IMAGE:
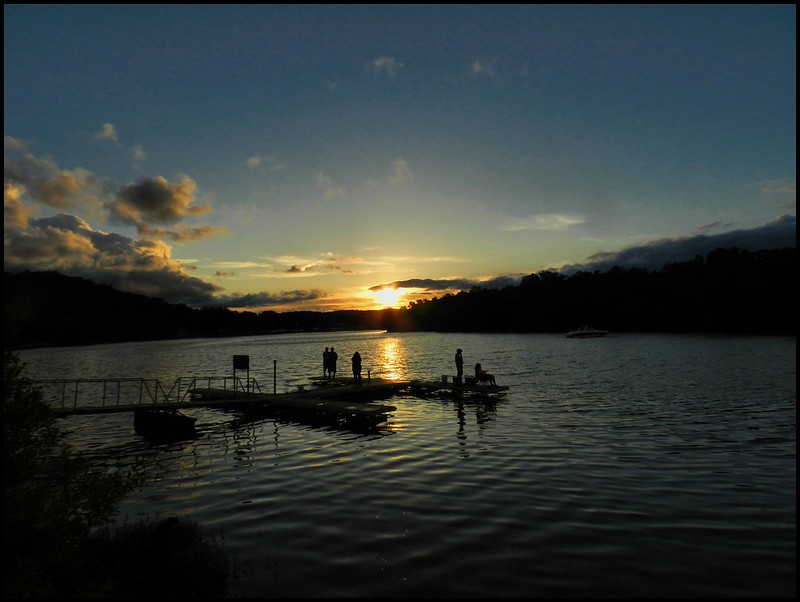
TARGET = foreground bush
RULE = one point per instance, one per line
(56, 506)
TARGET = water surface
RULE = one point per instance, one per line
(632, 465)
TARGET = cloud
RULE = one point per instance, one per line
(329, 189)
(107, 133)
(155, 200)
(271, 162)
(401, 172)
(148, 204)
(777, 234)
(256, 300)
(15, 213)
(448, 284)
(481, 69)
(14, 144)
(386, 65)
(70, 245)
(780, 187)
(314, 265)
(546, 222)
(47, 184)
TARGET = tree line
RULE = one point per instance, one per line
(726, 291)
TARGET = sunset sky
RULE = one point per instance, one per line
(288, 157)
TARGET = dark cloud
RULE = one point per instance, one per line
(155, 200)
(167, 284)
(777, 234)
(266, 299)
(430, 284)
(46, 183)
(148, 205)
(67, 244)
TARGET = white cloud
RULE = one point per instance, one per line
(387, 65)
(548, 222)
(401, 172)
(11, 143)
(107, 133)
(481, 68)
(271, 162)
(330, 190)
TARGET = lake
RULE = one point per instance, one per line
(639, 465)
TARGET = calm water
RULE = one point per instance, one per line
(634, 465)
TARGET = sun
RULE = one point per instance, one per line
(388, 297)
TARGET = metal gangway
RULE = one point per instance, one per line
(100, 395)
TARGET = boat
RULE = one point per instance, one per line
(586, 332)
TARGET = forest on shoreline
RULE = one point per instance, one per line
(730, 291)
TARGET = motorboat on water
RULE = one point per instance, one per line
(586, 332)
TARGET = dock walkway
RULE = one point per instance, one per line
(336, 399)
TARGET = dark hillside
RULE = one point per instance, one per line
(728, 291)
(49, 309)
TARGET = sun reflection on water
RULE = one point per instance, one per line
(392, 362)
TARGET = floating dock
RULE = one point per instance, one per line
(418, 386)
(338, 399)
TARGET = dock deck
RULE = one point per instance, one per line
(338, 400)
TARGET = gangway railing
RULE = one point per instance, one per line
(75, 393)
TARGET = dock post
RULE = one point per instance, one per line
(275, 376)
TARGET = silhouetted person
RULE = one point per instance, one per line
(332, 357)
(459, 366)
(357, 368)
(326, 362)
(483, 376)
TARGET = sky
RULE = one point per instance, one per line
(325, 157)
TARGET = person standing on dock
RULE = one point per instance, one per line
(357, 368)
(326, 362)
(332, 357)
(459, 366)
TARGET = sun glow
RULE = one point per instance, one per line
(388, 297)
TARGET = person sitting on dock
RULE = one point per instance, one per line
(483, 376)
(357, 368)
